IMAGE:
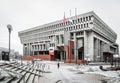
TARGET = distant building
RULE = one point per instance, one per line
(88, 37)
(12, 53)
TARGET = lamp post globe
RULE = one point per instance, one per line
(9, 29)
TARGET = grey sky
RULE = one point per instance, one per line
(25, 14)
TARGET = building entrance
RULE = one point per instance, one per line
(57, 55)
(107, 56)
(81, 53)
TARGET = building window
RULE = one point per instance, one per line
(77, 33)
(83, 19)
(76, 26)
(80, 19)
(66, 23)
(87, 24)
(89, 17)
(86, 18)
(71, 34)
(73, 21)
(84, 26)
(81, 25)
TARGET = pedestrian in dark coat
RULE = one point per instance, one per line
(58, 64)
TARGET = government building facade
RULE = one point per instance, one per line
(82, 38)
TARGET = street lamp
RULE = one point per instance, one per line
(9, 29)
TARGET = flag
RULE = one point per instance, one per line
(64, 19)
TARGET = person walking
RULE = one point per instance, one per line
(58, 64)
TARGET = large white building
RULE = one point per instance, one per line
(88, 37)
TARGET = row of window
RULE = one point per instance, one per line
(77, 33)
(79, 20)
(103, 28)
(60, 39)
(42, 47)
(45, 35)
(66, 29)
(77, 27)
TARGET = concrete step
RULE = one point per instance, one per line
(31, 78)
(36, 78)
(25, 76)
(10, 80)
(2, 78)
(28, 76)
(22, 78)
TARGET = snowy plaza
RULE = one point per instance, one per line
(47, 72)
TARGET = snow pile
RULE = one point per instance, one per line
(4, 73)
(114, 80)
(86, 68)
(95, 70)
(115, 74)
(1, 61)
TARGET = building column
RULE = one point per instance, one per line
(99, 56)
(96, 49)
(75, 48)
(39, 47)
(32, 50)
(28, 48)
(57, 39)
(24, 49)
(42, 46)
(102, 51)
(85, 45)
(60, 39)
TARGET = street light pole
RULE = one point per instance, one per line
(9, 29)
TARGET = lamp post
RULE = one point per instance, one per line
(9, 29)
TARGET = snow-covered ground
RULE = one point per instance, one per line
(72, 73)
(84, 73)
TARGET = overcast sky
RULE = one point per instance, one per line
(25, 14)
